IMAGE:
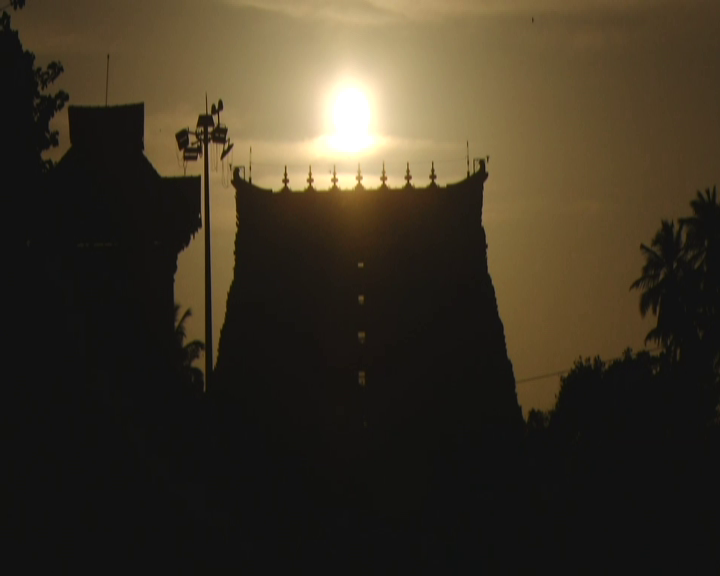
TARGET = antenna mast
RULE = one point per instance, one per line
(467, 147)
(107, 79)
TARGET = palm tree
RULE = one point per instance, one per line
(665, 286)
(187, 353)
(703, 230)
(703, 246)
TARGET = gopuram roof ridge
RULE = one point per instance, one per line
(479, 171)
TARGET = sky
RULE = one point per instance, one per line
(600, 118)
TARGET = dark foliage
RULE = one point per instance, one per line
(627, 464)
(28, 111)
(29, 108)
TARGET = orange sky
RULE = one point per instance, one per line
(600, 118)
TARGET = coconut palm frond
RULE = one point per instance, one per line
(657, 335)
(196, 378)
(650, 300)
(192, 351)
(187, 353)
(180, 332)
(703, 236)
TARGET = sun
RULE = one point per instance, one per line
(351, 116)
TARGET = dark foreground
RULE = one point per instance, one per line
(102, 482)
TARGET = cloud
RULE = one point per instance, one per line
(349, 11)
(384, 11)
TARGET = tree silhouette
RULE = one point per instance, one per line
(664, 284)
(703, 249)
(28, 112)
(29, 108)
(187, 353)
(625, 438)
(703, 230)
(680, 284)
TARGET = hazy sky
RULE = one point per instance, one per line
(600, 118)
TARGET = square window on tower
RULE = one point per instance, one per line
(361, 265)
(361, 378)
(361, 337)
(361, 299)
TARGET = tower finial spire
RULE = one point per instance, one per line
(408, 176)
(285, 181)
(359, 179)
(384, 177)
(433, 176)
(334, 179)
(310, 180)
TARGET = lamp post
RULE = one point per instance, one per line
(206, 131)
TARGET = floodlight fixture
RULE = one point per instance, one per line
(226, 151)
(183, 139)
(205, 121)
(219, 105)
(192, 153)
(219, 134)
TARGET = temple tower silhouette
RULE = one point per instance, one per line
(362, 331)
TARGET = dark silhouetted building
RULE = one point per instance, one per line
(109, 231)
(96, 386)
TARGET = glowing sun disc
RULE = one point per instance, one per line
(351, 115)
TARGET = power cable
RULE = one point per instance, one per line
(562, 372)
(541, 377)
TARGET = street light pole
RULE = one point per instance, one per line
(205, 133)
(208, 266)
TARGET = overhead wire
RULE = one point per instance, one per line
(563, 372)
